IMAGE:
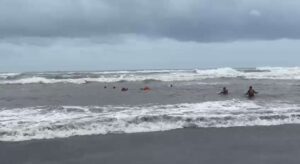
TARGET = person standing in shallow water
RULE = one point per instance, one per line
(224, 91)
(251, 92)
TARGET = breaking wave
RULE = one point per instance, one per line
(47, 122)
(283, 73)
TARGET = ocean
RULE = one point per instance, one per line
(46, 105)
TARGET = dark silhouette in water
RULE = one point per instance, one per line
(86, 82)
(251, 92)
(124, 89)
(114, 87)
(224, 91)
(105, 87)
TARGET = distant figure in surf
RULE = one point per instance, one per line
(105, 87)
(224, 91)
(114, 87)
(124, 89)
(171, 85)
(251, 92)
(146, 88)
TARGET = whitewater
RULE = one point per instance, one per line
(46, 105)
(64, 121)
(144, 75)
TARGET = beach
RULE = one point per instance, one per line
(149, 82)
(247, 145)
(85, 117)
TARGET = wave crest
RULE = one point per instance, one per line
(44, 122)
(288, 73)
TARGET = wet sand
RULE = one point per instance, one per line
(238, 145)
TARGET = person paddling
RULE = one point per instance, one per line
(251, 92)
(146, 89)
(224, 91)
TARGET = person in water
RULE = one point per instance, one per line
(251, 92)
(224, 91)
(124, 89)
(146, 89)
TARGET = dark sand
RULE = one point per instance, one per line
(242, 145)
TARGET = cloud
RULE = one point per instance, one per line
(254, 13)
(193, 20)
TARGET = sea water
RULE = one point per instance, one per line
(44, 105)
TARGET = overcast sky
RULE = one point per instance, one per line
(147, 34)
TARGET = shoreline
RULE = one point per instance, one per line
(264, 144)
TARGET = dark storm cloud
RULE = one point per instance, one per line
(192, 20)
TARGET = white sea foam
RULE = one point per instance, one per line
(7, 75)
(278, 73)
(64, 121)
(284, 73)
(33, 80)
(288, 73)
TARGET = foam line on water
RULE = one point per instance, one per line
(284, 73)
(45, 122)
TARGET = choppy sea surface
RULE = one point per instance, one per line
(45, 105)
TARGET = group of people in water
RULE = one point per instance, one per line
(250, 93)
(123, 89)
